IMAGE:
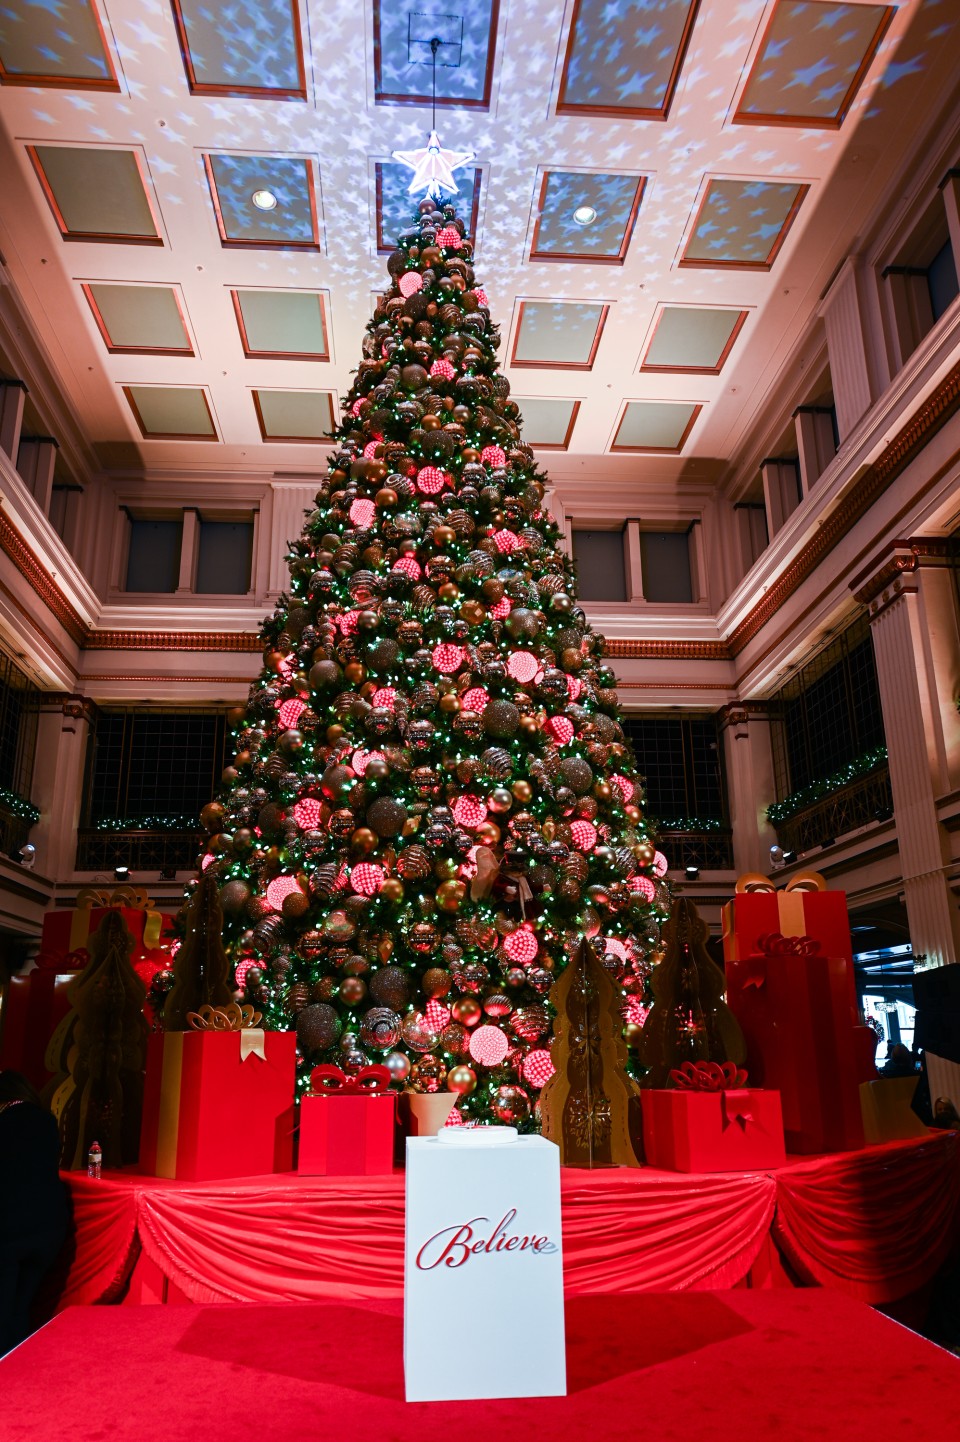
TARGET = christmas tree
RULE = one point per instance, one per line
(432, 800)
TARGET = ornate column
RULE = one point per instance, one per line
(62, 734)
(901, 628)
(750, 784)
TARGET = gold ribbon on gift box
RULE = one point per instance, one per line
(133, 898)
(789, 900)
(753, 881)
(242, 1019)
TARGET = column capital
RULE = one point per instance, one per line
(740, 713)
(893, 573)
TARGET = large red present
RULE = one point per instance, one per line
(712, 1122)
(804, 908)
(218, 1103)
(68, 931)
(347, 1123)
(793, 1005)
(33, 1008)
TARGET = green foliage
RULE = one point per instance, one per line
(826, 785)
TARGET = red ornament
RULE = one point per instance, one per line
(523, 666)
(367, 878)
(409, 567)
(584, 835)
(614, 947)
(410, 283)
(363, 513)
(436, 1014)
(454, 1119)
(357, 407)
(207, 861)
(241, 969)
(480, 295)
(385, 696)
(507, 542)
(289, 713)
(449, 239)
(361, 760)
(489, 1045)
(475, 699)
(538, 1067)
(447, 658)
(493, 456)
(431, 480)
(371, 448)
(467, 869)
(643, 886)
(561, 728)
(634, 1011)
(503, 608)
(280, 887)
(521, 945)
(469, 812)
(625, 786)
(348, 622)
(660, 864)
(307, 813)
(574, 687)
(442, 370)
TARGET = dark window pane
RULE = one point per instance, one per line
(155, 764)
(680, 760)
(665, 563)
(153, 563)
(18, 728)
(223, 558)
(942, 280)
(600, 568)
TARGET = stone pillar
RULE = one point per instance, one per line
(842, 312)
(13, 394)
(289, 503)
(781, 492)
(189, 545)
(63, 731)
(748, 754)
(36, 459)
(892, 591)
(816, 446)
(751, 530)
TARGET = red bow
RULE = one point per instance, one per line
(735, 1106)
(773, 944)
(708, 1076)
(369, 1080)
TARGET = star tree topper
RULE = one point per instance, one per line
(433, 168)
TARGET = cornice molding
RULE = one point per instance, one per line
(40, 581)
(667, 650)
(232, 641)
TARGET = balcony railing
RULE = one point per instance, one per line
(707, 850)
(168, 850)
(14, 830)
(858, 804)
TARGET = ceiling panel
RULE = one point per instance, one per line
(294, 415)
(655, 425)
(96, 194)
(247, 47)
(562, 335)
(291, 224)
(586, 217)
(625, 58)
(692, 338)
(402, 59)
(139, 319)
(743, 223)
(547, 423)
(171, 413)
(54, 42)
(811, 62)
(282, 324)
(396, 207)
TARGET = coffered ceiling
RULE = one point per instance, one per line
(197, 195)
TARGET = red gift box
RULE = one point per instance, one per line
(736, 1130)
(33, 1008)
(793, 1007)
(803, 908)
(70, 931)
(218, 1104)
(347, 1124)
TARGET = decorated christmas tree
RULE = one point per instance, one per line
(432, 800)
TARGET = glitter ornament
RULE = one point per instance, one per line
(538, 1067)
(489, 1046)
(523, 666)
(521, 945)
(584, 835)
(363, 513)
(447, 658)
(431, 480)
(289, 713)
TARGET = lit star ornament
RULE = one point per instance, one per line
(433, 168)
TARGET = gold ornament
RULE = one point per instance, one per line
(392, 889)
(461, 1079)
(450, 895)
(466, 1011)
(522, 790)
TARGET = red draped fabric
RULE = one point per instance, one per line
(876, 1224)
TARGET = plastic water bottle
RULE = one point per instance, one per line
(94, 1159)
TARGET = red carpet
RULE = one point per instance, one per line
(788, 1366)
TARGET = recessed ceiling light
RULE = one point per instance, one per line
(264, 199)
(584, 215)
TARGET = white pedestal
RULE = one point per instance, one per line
(483, 1260)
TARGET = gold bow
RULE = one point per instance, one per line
(224, 1018)
(133, 897)
(752, 882)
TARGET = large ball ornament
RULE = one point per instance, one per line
(428, 1074)
(461, 1079)
(234, 897)
(450, 895)
(466, 1010)
(510, 1105)
(418, 1033)
(380, 1029)
(501, 720)
(390, 987)
(398, 1065)
(318, 1027)
(386, 816)
(436, 981)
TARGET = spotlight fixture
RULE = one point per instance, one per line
(27, 856)
(692, 873)
(789, 857)
(776, 857)
(264, 200)
(584, 215)
(121, 873)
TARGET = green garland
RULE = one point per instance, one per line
(690, 823)
(818, 790)
(148, 823)
(12, 802)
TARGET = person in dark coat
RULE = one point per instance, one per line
(33, 1203)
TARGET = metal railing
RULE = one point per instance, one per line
(139, 850)
(14, 831)
(863, 801)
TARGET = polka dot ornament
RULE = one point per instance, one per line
(538, 1067)
(307, 813)
(521, 945)
(449, 239)
(574, 687)
(385, 696)
(493, 456)
(660, 864)
(475, 699)
(523, 666)
(561, 729)
(371, 448)
(367, 878)
(279, 888)
(442, 370)
(480, 296)
(410, 283)
(502, 608)
(361, 760)
(447, 658)
(363, 513)
(431, 480)
(469, 812)
(489, 1045)
(507, 542)
(409, 567)
(642, 886)
(584, 835)
(289, 713)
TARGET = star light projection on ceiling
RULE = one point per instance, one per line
(433, 168)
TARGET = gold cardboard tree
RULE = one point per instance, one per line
(201, 968)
